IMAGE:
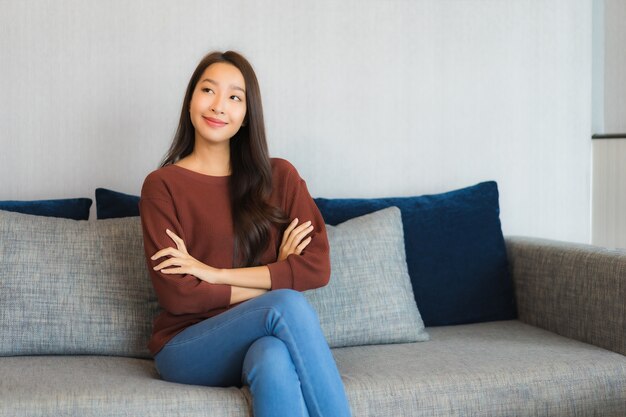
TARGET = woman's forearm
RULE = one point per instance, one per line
(239, 294)
(255, 277)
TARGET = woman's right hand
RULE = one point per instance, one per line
(293, 242)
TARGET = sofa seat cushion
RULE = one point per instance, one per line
(85, 386)
(492, 369)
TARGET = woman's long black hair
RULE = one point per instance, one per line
(251, 179)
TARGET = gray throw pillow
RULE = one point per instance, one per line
(73, 287)
(369, 299)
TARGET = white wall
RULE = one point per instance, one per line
(615, 66)
(366, 97)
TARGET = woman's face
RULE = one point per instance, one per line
(218, 103)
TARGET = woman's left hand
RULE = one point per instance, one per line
(186, 263)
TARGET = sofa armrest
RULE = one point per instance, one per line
(573, 289)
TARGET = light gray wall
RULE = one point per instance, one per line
(615, 66)
(366, 97)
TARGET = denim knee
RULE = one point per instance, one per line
(268, 360)
(293, 304)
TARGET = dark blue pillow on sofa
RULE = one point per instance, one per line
(455, 251)
(68, 208)
(113, 204)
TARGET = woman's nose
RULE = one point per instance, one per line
(217, 106)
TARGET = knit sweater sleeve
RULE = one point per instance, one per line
(310, 269)
(177, 293)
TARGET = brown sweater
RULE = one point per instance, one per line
(197, 208)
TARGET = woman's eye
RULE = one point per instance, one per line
(236, 98)
(206, 89)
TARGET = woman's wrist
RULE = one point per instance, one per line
(212, 275)
(221, 276)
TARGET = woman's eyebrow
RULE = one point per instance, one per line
(234, 87)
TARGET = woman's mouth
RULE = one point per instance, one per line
(211, 121)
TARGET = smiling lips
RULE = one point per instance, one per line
(211, 121)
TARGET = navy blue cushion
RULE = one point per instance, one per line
(67, 208)
(455, 251)
(113, 204)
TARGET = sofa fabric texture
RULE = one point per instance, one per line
(369, 299)
(90, 386)
(498, 369)
(572, 289)
(74, 287)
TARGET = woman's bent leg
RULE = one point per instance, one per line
(274, 384)
(212, 352)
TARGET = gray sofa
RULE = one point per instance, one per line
(564, 356)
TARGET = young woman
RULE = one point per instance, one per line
(231, 238)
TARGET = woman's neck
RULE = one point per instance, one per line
(214, 161)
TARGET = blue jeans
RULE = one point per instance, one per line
(273, 344)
